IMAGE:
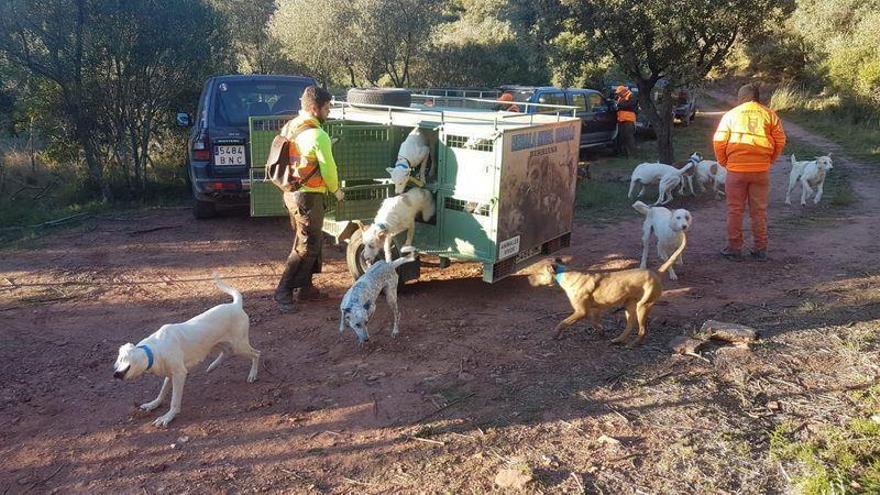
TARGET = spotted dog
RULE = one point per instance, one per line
(359, 302)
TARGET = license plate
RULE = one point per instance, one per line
(225, 155)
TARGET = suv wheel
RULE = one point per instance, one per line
(204, 209)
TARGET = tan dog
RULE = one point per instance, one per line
(592, 293)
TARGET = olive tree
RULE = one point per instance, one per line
(678, 41)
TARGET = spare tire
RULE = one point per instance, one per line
(395, 97)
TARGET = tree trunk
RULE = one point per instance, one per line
(660, 115)
(351, 75)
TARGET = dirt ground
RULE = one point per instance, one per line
(472, 384)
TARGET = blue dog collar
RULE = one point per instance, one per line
(559, 273)
(401, 165)
(149, 354)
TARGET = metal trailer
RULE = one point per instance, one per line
(503, 182)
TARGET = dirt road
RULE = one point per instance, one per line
(472, 384)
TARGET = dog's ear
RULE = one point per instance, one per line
(367, 305)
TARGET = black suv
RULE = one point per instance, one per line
(597, 113)
(218, 150)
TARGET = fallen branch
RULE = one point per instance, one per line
(426, 440)
(447, 406)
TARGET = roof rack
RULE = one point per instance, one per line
(457, 110)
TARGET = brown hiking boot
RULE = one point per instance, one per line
(311, 294)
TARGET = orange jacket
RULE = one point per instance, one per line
(625, 105)
(749, 138)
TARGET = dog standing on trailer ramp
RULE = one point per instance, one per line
(414, 153)
(175, 348)
(668, 226)
(590, 294)
(359, 302)
(395, 215)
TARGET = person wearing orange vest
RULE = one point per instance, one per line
(313, 166)
(748, 140)
(508, 105)
(626, 120)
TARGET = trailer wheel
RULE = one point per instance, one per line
(353, 255)
(394, 97)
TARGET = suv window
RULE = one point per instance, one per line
(597, 103)
(579, 100)
(550, 99)
(235, 101)
(523, 95)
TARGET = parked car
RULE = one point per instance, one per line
(598, 114)
(218, 149)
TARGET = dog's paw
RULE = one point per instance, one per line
(788, 202)
(149, 406)
(162, 421)
(252, 378)
(618, 340)
(673, 276)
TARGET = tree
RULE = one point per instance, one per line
(393, 35)
(248, 23)
(109, 73)
(361, 40)
(49, 39)
(316, 35)
(678, 41)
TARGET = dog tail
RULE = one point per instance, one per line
(665, 266)
(641, 207)
(232, 291)
(793, 160)
(689, 165)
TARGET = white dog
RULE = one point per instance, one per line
(414, 153)
(359, 302)
(668, 226)
(672, 180)
(646, 174)
(397, 214)
(175, 348)
(711, 174)
(811, 175)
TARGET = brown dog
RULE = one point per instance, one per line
(592, 293)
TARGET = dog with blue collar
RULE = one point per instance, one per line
(591, 294)
(175, 348)
(414, 154)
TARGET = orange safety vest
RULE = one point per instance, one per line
(625, 115)
(304, 168)
(749, 138)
